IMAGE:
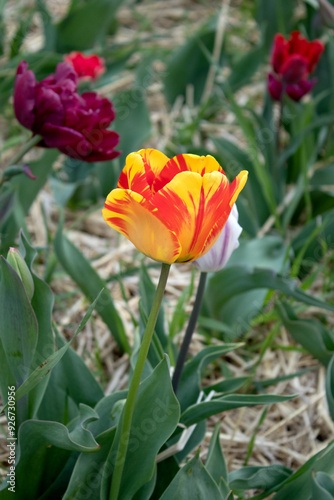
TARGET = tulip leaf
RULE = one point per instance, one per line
(244, 68)
(88, 471)
(322, 486)
(200, 411)
(70, 384)
(192, 481)
(92, 18)
(274, 16)
(260, 168)
(20, 34)
(155, 417)
(310, 333)
(227, 385)
(330, 387)
(238, 280)
(315, 249)
(42, 443)
(215, 463)
(43, 369)
(316, 123)
(233, 160)
(263, 478)
(190, 383)
(26, 191)
(81, 271)
(42, 304)
(299, 485)
(18, 326)
(132, 122)
(189, 65)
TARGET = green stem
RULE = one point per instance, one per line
(134, 385)
(189, 332)
(25, 148)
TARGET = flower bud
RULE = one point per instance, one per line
(15, 259)
(216, 258)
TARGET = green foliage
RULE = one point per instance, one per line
(192, 481)
(80, 270)
(189, 65)
(155, 417)
(274, 16)
(42, 443)
(92, 18)
(67, 429)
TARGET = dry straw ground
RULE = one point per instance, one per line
(292, 431)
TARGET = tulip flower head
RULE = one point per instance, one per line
(172, 210)
(75, 124)
(86, 67)
(216, 258)
(293, 61)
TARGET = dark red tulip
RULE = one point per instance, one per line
(75, 124)
(293, 61)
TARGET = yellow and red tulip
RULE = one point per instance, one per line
(172, 210)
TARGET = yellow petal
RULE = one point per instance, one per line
(129, 213)
(185, 163)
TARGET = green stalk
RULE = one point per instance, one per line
(189, 332)
(134, 385)
(25, 148)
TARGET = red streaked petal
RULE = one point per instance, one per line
(234, 190)
(133, 176)
(186, 163)
(129, 214)
(191, 205)
(154, 161)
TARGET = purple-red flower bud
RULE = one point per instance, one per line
(75, 124)
(293, 60)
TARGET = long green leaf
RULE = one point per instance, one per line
(18, 325)
(193, 481)
(81, 271)
(200, 411)
(240, 279)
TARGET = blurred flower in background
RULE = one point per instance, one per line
(86, 67)
(293, 61)
(75, 124)
(217, 258)
(172, 210)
